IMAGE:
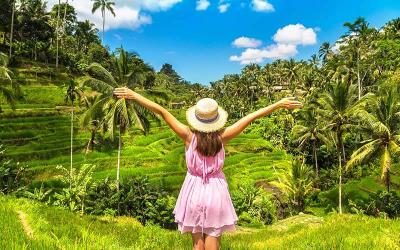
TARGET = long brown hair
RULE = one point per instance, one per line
(208, 143)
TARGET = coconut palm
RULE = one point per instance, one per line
(310, 130)
(325, 51)
(338, 106)
(103, 5)
(6, 76)
(358, 44)
(383, 125)
(73, 93)
(119, 114)
(92, 120)
(296, 183)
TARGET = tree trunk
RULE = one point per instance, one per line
(340, 149)
(358, 74)
(387, 180)
(65, 15)
(104, 20)
(57, 29)
(340, 185)
(72, 134)
(92, 138)
(119, 155)
(316, 162)
(12, 30)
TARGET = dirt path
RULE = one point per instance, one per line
(28, 230)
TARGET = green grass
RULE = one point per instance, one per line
(55, 228)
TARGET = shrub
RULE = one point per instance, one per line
(77, 184)
(135, 197)
(381, 204)
(253, 205)
(12, 175)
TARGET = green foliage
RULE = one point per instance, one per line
(296, 184)
(381, 204)
(78, 183)
(12, 175)
(136, 197)
(39, 194)
(253, 205)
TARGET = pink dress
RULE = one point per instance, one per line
(204, 203)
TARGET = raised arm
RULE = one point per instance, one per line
(179, 128)
(236, 128)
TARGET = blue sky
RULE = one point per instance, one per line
(199, 43)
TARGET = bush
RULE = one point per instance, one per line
(254, 205)
(381, 204)
(12, 175)
(135, 197)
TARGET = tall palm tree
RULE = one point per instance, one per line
(103, 5)
(296, 183)
(73, 93)
(358, 39)
(325, 51)
(383, 125)
(6, 76)
(309, 130)
(339, 106)
(122, 113)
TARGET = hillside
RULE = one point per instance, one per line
(32, 225)
(37, 134)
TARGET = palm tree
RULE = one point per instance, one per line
(358, 39)
(339, 105)
(325, 51)
(122, 113)
(103, 5)
(6, 76)
(73, 92)
(383, 125)
(309, 130)
(92, 120)
(297, 183)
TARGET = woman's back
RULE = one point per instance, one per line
(204, 166)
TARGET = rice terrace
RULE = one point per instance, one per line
(295, 106)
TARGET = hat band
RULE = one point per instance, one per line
(207, 120)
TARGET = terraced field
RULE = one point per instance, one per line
(38, 134)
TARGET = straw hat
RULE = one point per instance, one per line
(206, 115)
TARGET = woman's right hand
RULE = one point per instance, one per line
(289, 103)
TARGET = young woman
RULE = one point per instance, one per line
(204, 206)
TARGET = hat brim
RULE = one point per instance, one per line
(206, 127)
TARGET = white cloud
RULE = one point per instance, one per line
(246, 42)
(286, 41)
(202, 4)
(128, 14)
(275, 51)
(223, 7)
(155, 5)
(262, 6)
(296, 34)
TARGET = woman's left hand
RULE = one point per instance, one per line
(123, 92)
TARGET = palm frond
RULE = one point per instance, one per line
(363, 153)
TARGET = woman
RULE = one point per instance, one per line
(204, 207)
